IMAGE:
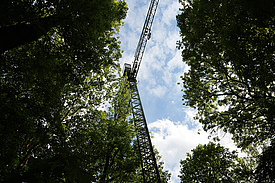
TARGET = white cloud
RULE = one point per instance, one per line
(175, 62)
(170, 11)
(172, 39)
(136, 14)
(174, 139)
(170, 76)
(159, 91)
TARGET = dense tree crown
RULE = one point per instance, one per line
(64, 110)
(213, 163)
(230, 49)
(266, 166)
(229, 46)
(79, 22)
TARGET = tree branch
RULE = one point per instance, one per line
(68, 112)
(22, 33)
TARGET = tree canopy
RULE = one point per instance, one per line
(64, 108)
(79, 22)
(229, 47)
(213, 163)
(264, 172)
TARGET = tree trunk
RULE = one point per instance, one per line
(22, 33)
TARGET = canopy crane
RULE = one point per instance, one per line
(149, 165)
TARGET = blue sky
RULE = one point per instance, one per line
(171, 124)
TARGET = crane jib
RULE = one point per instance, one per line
(144, 37)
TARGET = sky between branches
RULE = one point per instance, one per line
(171, 124)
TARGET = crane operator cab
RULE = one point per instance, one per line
(127, 71)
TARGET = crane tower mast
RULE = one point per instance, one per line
(148, 161)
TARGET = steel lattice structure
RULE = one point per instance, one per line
(149, 165)
(148, 161)
(144, 37)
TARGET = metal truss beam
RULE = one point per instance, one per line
(149, 165)
(144, 37)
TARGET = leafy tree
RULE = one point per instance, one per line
(213, 163)
(52, 87)
(78, 21)
(94, 146)
(88, 143)
(229, 47)
(164, 174)
(63, 108)
(266, 164)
